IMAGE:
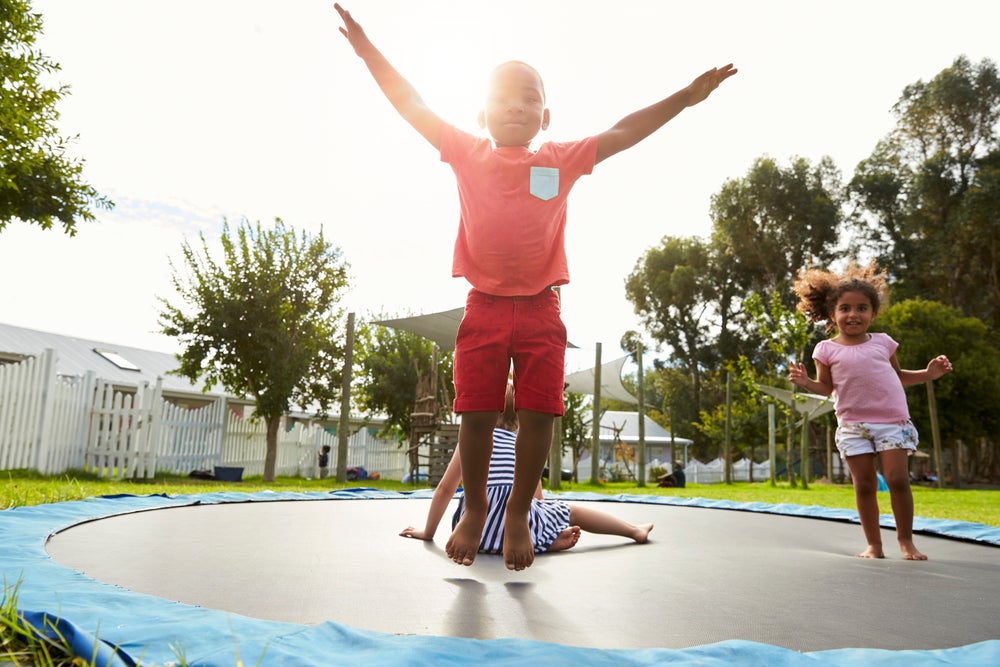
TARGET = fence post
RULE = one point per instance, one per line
(43, 443)
(148, 445)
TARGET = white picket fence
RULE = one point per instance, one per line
(714, 472)
(51, 424)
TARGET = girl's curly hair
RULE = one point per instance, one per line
(819, 290)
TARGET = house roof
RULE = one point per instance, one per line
(120, 364)
(629, 424)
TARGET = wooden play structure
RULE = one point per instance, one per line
(432, 438)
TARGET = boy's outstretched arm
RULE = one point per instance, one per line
(635, 127)
(397, 90)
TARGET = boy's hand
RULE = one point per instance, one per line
(703, 86)
(353, 32)
(938, 366)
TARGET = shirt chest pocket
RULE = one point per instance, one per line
(544, 182)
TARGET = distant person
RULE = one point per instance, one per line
(860, 369)
(675, 479)
(324, 462)
(555, 525)
(510, 248)
(680, 479)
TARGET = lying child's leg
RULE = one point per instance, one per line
(566, 539)
(534, 437)
(595, 521)
(475, 444)
(897, 477)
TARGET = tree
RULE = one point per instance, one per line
(576, 429)
(39, 182)
(390, 361)
(672, 291)
(263, 322)
(967, 397)
(766, 227)
(927, 196)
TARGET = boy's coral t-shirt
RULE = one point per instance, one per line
(513, 210)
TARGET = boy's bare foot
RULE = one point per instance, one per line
(642, 532)
(463, 545)
(910, 552)
(567, 539)
(872, 552)
(518, 550)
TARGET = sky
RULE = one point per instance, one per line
(192, 112)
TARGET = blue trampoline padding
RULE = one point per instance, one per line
(123, 628)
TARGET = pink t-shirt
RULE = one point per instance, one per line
(866, 387)
(513, 210)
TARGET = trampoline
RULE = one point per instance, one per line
(324, 579)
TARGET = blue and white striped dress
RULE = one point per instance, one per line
(546, 518)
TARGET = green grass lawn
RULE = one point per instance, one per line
(976, 505)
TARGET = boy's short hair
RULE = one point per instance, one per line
(508, 63)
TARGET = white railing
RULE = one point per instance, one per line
(51, 424)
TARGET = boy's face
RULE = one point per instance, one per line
(515, 106)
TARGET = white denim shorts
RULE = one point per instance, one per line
(870, 438)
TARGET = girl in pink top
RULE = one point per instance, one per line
(860, 369)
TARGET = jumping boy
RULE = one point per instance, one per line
(510, 249)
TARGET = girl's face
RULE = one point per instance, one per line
(853, 314)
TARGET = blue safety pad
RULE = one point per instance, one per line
(121, 628)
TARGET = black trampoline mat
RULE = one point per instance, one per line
(707, 575)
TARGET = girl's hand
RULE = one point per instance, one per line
(797, 374)
(410, 531)
(938, 366)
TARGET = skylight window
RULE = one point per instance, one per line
(117, 359)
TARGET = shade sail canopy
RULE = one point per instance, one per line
(439, 327)
(582, 382)
(442, 328)
(813, 405)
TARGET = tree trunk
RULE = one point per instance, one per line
(271, 454)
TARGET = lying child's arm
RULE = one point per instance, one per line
(443, 494)
(635, 127)
(397, 90)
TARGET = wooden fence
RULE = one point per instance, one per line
(52, 423)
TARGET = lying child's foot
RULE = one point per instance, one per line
(910, 552)
(567, 539)
(872, 552)
(518, 550)
(463, 545)
(641, 533)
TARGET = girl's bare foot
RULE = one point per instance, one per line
(910, 552)
(518, 550)
(567, 539)
(463, 545)
(642, 532)
(872, 552)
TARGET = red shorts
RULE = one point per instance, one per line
(497, 330)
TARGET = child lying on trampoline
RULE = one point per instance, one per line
(555, 525)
